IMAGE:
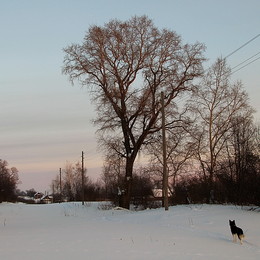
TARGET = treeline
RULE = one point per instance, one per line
(231, 185)
(8, 182)
(68, 187)
(236, 181)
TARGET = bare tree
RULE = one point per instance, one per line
(242, 164)
(180, 151)
(128, 64)
(71, 181)
(215, 104)
(56, 188)
(113, 173)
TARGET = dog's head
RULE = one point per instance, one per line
(232, 223)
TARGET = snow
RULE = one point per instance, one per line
(73, 231)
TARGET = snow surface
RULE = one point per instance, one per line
(73, 231)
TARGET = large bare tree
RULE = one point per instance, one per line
(128, 64)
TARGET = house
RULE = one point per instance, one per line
(41, 198)
(38, 195)
(47, 199)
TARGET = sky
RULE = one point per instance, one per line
(45, 121)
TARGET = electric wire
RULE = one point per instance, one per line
(245, 61)
(245, 65)
(230, 54)
(242, 46)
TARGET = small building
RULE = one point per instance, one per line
(47, 199)
(38, 195)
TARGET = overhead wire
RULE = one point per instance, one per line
(230, 54)
(242, 46)
(245, 65)
(245, 60)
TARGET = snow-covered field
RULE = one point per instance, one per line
(72, 231)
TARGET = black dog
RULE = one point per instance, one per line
(236, 232)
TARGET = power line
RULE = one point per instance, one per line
(232, 72)
(245, 65)
(242, 46)
(245, 61)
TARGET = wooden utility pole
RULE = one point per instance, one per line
(83, 177)
(165, 173)
(53, 191)
(60, 186)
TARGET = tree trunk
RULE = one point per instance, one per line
(128, 183)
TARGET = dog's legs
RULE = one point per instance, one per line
(234, 238)
(241, 239)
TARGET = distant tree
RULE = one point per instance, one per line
(20, 192)
(93, 190)
(179, 152)
(240, 172)
(128, 64)
(72, 181)
(56, 189)
(70, 187)
(113, 174)
(215, 104)
(30, 192)
(8, 181)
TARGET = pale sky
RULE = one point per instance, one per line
(44, 121)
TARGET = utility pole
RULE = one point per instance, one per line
(165, 173)
(82, 177)
(60, 184)
(53, 191)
